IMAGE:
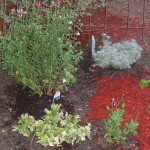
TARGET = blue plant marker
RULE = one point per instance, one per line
(57, 95)
(93, 45)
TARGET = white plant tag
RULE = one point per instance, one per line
(93, 45)
(57, 95)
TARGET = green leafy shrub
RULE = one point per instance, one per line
(118, 55)
(54, 128)
(39, 49)
(143, 83)
(82, 8)
(113, 127)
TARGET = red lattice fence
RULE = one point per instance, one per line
(125, 19)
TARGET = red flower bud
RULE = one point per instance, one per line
(60, 1)
(19, 16)
(38, 4)
(46, 14)
(52, 3)
(29, 28)
(78, 59)
(13, 10)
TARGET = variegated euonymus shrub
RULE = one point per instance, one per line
(117, 55)
(54, 128)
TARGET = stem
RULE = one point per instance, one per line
(32, 141)
(4, 10)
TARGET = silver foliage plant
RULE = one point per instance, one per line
(117, 55)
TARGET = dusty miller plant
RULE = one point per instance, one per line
(54, 128)
(117, 55)
(113, 126)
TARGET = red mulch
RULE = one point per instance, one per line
(136, 100)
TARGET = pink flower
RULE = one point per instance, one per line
(19, 16)
(60, 1)
(38, 4)
(46, 14)
(81, 109)
(78, 58)
(13, 10)
(68, 1)
(52, 3)
(29, 28)
(24, 12)
(114, 103)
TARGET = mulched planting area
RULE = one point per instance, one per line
(124, 89)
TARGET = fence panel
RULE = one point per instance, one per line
(123, 19)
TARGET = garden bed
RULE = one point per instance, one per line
(14, 101)
(94, 87)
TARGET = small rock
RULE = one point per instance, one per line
(3, 131)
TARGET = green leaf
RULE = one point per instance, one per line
(143, 83)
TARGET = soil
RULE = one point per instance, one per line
(14, 100)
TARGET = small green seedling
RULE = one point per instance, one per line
(113, 126)
(143, 83)
(148, 109)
